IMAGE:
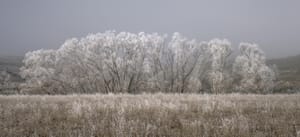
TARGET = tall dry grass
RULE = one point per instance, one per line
(149, 115)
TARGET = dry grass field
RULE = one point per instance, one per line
(149, 115)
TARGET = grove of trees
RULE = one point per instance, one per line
(124, 62)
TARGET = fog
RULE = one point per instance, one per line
(33, 24)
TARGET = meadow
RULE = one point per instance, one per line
(149, 115)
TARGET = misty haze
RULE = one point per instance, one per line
(150, 68)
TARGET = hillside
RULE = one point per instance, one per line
(289, 67)
(10, 63)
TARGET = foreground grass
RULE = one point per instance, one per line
(188, 115)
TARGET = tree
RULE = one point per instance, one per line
(185, 55)
(250, 70)
(39, 69)
(175, 65)
(217, 52)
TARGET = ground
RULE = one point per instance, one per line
(174, 115)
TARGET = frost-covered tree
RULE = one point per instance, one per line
(186, 58)
(217, 52)
(39, 69)
(124, 62)
(171, 64)
(250, 70)
(176, 66)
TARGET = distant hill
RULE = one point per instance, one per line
(289, 67)
(11, 63)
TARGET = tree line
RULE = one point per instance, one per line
(125, 62)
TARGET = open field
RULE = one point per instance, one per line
(188, 115)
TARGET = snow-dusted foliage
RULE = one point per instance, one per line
(131, 63)
(250, 69)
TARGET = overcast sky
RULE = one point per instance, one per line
(27, 25)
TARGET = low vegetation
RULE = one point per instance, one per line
(168, 115)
